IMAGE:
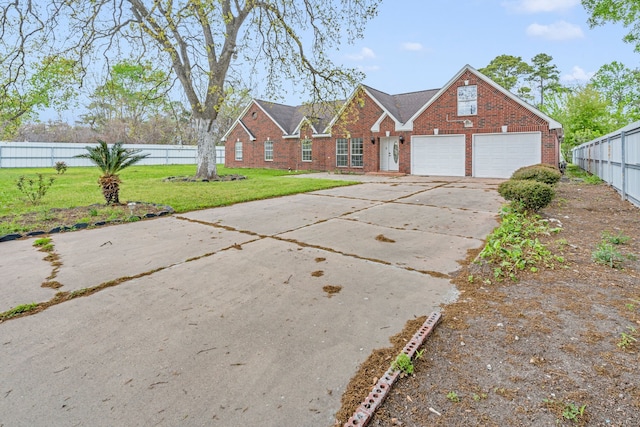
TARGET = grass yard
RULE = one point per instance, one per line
(79, 187)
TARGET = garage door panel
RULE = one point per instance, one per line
(442, 155)
(499, 155)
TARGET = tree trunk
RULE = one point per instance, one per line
(207, 168)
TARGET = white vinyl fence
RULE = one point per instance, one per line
(46, 154)
(615, 158)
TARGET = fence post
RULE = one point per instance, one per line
(623, 165)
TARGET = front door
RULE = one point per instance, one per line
(389, 154)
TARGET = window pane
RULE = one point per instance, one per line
(357, 150)
(238, 150)
(268, 150)
(306, 150)
(467, 100)
(342, 152)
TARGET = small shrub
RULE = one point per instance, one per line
(607, 254)
(61, 167)
(528, 195)
(541, 173)
(34, 189)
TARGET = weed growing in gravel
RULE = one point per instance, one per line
(453, 396)
(627, 340)
(572, 412)
(617, 239)
(403, 363)
(514, 246)
(607, 254)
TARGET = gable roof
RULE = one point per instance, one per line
(402, 108)
(553, 124)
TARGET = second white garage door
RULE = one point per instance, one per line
(497, 155)
(441, 155)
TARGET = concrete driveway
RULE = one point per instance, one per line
(219, 318)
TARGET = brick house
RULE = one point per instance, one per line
(470, 127)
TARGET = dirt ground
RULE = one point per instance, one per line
(556, 348)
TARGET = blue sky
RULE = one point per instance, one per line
(420, 44)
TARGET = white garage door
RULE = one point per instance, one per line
(437, 155)
(497, 155)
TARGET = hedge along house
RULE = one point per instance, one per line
(470, 127)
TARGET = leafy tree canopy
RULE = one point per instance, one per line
(626, 12)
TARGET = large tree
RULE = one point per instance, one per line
(49, 83)
(621, 86)
(509, 72)
(544, 76)
(625, 11)
(210, 45)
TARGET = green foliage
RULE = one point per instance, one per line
(626, 12)
(23, 308)
(513, 246)
(112, 160)
(574, 171)
(403, 363)
(615, 239)
(607, 254)
(34, 189)
(526, 194)
(506, 70)
(145, 183)
(47, 84)
(628, 339)
(453, 396)
(541, 173)
(619, 85)
(572, 412)
(60, 167)
(544, 76)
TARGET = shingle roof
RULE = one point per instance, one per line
(404, 105)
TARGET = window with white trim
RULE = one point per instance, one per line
(306, 150)
(468, 100)
(342, 152)
(268, 150)
(238, 150)
(357, 152)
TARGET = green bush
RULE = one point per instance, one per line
(541, 173)
(526, 194)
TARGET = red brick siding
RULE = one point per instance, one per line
(494, 111)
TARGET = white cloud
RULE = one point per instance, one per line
(412, 46)
(365, 53)
(536, 6)
(560, 30)
(577, 75)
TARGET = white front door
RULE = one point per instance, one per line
(389, 154)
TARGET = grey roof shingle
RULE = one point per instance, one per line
(401, 107)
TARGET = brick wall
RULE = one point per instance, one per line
(495, 110)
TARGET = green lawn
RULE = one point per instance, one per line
(79, 187)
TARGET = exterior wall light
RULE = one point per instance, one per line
(401, 139)
(373, 140)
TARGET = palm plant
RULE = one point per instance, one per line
(111, 161)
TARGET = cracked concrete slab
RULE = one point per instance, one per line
(274, 216)
(233, 328)
(23, 270)
(92, 257)
(475, 199)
